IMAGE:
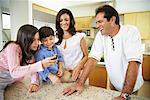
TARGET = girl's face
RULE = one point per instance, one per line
(64, 22)
(35, 43)
(48, 42)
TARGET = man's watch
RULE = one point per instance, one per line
(126, 96)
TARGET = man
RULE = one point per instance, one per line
(121, 46)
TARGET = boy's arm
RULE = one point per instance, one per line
(60, 65)
(60, 69)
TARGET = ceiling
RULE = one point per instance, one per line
(59, 4)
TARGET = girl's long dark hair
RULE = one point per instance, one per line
(59, 31)
(25, 38)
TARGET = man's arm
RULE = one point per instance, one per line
(131, 76)
(78, 87)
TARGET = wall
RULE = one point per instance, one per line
(126, 6)
(39, 24)
(86, 10)
(0, 27)
(21, 13)
(4, 7)
(122, 6)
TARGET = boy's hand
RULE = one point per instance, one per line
(60, 73)
(33, 88)
(48, 62)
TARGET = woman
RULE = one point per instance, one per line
(71, 43)
(16, 59)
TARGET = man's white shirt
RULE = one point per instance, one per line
(125, 46)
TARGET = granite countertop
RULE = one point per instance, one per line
(19, 91)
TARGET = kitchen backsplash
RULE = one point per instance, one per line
(147, 45)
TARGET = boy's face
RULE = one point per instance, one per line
(48, 42)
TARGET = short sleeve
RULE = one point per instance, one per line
(97, 48)
(132, 45)
(81, 35)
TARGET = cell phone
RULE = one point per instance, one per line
(54, 57)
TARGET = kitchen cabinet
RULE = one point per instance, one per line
(98, 77)
(83, 23)
(146, 68)
(141, 20)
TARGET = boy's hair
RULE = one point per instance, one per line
(45, 31)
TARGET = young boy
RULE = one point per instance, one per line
(48, 49)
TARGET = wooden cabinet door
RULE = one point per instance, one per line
(141, 20)
(83, 23)
(143, 24)
(98, 77)
(146, 68)
(130, 19)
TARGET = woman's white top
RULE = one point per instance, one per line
(73, 53)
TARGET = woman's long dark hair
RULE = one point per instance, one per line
(59, 31)
(25, 38)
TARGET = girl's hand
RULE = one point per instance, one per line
(60, 73)
(33, 88)
(76, 73)
(48, 62)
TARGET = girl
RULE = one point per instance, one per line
(16, 59)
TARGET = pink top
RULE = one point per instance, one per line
(10, 59)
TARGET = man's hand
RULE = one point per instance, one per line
(33, 88)
(73, 88)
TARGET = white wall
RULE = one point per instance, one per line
(122, 6)
(88, 10)
(126, 6)
(0, 27)
(21, 13)
(39, 24)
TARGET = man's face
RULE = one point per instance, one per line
(102, 23)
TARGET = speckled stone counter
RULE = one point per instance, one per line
(19, 91)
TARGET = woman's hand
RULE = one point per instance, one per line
(48, 62)
(33, 88)
(76, 73)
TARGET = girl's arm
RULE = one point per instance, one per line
(14, 57)
(85, 53)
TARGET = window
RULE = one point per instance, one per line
(6, 20)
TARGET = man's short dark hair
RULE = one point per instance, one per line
(109, 11)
